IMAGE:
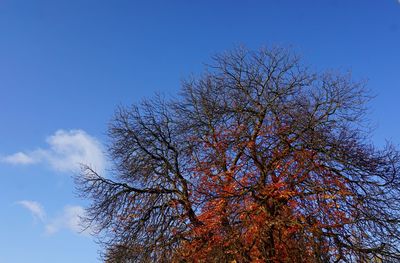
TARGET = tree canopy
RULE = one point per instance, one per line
(259, 159)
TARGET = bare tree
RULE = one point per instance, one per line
(258, 159)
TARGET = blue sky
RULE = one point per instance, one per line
(66, 65)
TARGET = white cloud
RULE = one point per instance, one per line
(66, 151)
(19, 158)
(70, 219)
(35, 208)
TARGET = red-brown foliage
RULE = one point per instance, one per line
(258, 161)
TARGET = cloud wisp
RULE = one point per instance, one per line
(69, 218)
(19, 158)
(66, 152)
(35, 208)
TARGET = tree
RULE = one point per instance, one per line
(258, 160)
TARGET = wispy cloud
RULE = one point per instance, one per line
(66, 151)
(19, 158)
(68, 219)
(35, 208)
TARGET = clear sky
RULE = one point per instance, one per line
(65, 66)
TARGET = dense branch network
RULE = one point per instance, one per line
(258, 160)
